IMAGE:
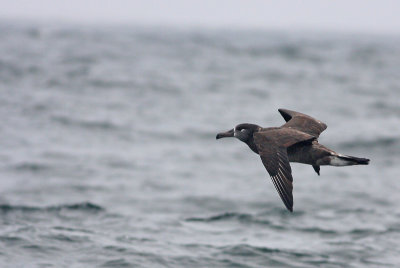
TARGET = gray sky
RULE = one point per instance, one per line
(378, 16)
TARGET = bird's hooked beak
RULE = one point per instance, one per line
(229, 133)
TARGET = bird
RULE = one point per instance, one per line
(294, 141)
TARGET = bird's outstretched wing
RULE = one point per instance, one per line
(272, 147)
(302, 122)
(277, 164)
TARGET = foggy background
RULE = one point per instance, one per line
(343, 16)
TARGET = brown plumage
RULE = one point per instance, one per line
(295, 141)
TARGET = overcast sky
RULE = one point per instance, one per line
(378, 16)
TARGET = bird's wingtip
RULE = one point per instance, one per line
(289, 207)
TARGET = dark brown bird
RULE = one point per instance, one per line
(295, 141)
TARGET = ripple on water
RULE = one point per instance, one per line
(84, 207)
(224, 216)
(380, 142)
(260, 218)
(95, 125)
(117, 263)
(265, 256)
(31, 167)
(12, 240)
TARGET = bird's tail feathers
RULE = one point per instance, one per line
(346, 160)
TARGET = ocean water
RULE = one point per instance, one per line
(109, 158)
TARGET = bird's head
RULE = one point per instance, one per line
(243, 132)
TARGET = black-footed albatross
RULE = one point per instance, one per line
(295, 141)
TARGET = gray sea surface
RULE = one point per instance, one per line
(109, 158)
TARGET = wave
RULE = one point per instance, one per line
(222, 217)
(84, 206)
(31, 166)
(233, 216)
(11, 240)
(246, 250)
(253, 219)
(9, 69)
(103, 125)
(379, 142)
(317, 230)
(247, 255)
(117, 263)
(107, 84)
(259, 218)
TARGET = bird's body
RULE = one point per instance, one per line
(295, 141)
